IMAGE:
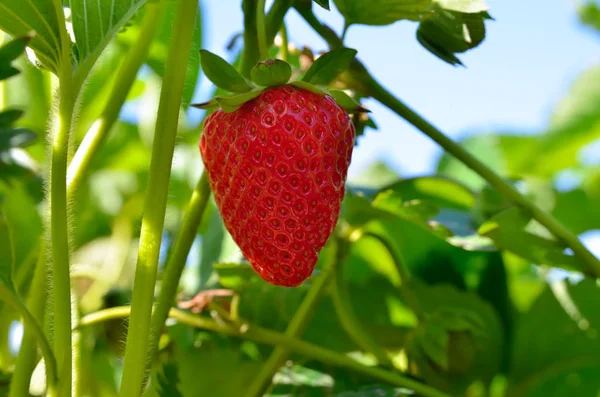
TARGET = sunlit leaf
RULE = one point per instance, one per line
(19, 18)
(381, 12)
(544, 357)
(95, 22)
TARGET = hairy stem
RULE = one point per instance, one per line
(59, 233)
(97, 134)
(350, 323)
(261, 30)
(36, 303)
(135, 363)
(365, 82)
(176, 263)
(296, 326)
(33, 327)
(268, 337)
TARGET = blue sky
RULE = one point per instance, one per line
(533, 51)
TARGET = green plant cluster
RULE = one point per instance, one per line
(116, 261)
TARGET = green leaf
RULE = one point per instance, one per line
(7, 252)
(222, 74)
(271, 72)
(235, 276)
(157, 54)
(15, 137)
(20, 18)
(445, 33)
(462, 334)
(96, 22)
(323, 3)
(9, 116)
(546, 359)
(506, 229)
(381, 12)
(234, 102)
(11, 50)
(464, 6)
(589, 13)
(7, 71)
(328, 66)
(441, 191)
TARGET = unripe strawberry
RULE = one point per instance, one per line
(277, 167)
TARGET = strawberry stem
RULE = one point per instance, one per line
(261, 30)
(135, 364)
(185, 238)
(285, 52)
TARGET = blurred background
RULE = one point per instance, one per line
(526, 102)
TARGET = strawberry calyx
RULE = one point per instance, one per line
(276, 72)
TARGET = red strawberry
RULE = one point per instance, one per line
(277, 167)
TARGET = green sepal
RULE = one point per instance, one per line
(310, 87)
(328, 66)
(212, 104)
(271, 72)
(347, 102)
(222, 74)
(231, 103)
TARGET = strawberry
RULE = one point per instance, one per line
(277, 167)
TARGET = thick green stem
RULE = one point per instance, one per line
(343, 308)
(297, 324)
(268, 337)
(366, 83)
(135, 363)
(34, 328)
(251, 53)
(274, 19)
(36, 303)
(261, 30)
(59, 234)
(175, 265)
(405, 288)
(97, 134)
(59, 228)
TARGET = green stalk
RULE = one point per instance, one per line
(296, 326)
(135, 363)
(268, 337)
(367, 83)
(350, 323)
(34, 328)
(285, 51)
(263, 48)
(126, 75)
(176, 263)
(36, 303)
(251, 53)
